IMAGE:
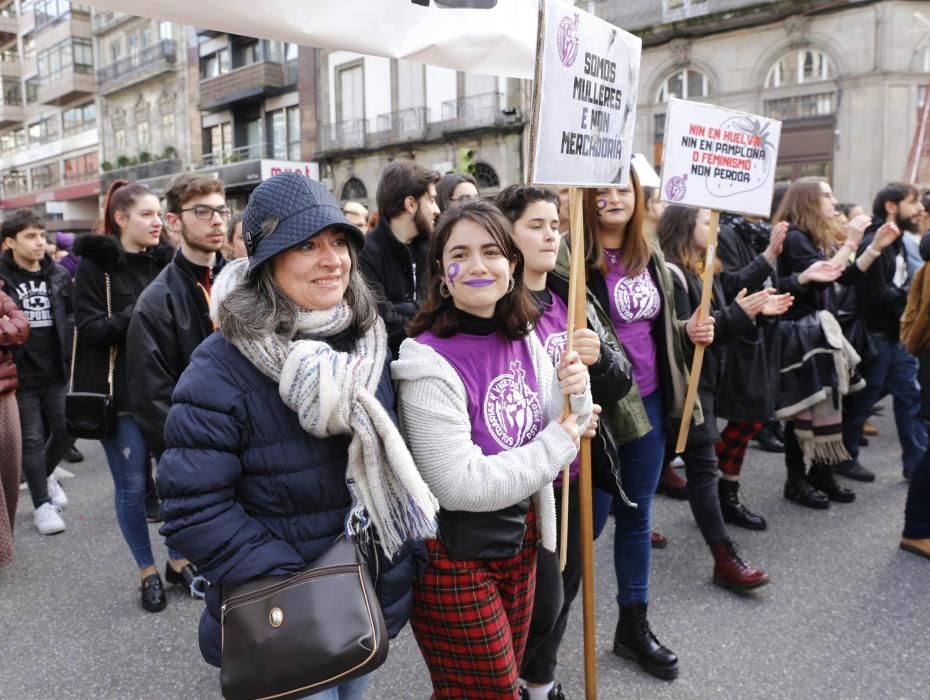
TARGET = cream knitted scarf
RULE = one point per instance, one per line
(333, 393)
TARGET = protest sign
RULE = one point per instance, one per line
(495, 37)
(718, 158)
(584, 101)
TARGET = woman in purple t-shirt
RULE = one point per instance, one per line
(633, 291)
(481, 408)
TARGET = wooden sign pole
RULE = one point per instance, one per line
(577, 319)
(703, 310)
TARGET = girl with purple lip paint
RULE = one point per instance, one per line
(481, 405)
(534, 213)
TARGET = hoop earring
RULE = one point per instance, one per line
(511, 284)
(444, 290)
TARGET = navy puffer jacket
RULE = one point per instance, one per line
(247, 492)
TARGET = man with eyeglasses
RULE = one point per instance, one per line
(172, 316)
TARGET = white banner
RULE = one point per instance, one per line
(585, 100)
(719, 159)
(496, 37)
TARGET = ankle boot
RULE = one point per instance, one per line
(634, 640)
(730, 571)
(735, 512)
(672, 485)
(821, 477)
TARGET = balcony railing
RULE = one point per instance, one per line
(251, 151)
(403, 125)
(9, 23)
(142, 171)
(10, 114)
(477, 111)
(105, 20)
(150, 61)
(72, 82)
(253, 80)
(345, 135)
(43, 19)
(802, 106)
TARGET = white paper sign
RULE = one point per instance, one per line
(585, 100)
(719, 159)
(495, 37)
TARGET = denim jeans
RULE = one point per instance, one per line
(126, 456)
(640, 469)
(917, 510)
(41, 455)
(350, 690)
(894, 371)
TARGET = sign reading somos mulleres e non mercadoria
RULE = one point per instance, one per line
(587, 71)
(718, 158)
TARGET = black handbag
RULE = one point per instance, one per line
(90, 415)
(287, 636)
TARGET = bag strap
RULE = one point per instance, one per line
(111, 352)
(678, 273)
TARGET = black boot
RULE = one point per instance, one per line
(635, 640)
(821, 478)
(735, 512)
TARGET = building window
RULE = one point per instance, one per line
(800, 68)
(43, 131)
(293, 133)
(142, 134)
(354, 189)
(350, 92)
(29, 47)
(116, 50)
(119, 140)
(167, 127)
(146, 37)
(12, 93)
(79, 118)
(485, 175)
(685, 84)
(71, 54)
(215, 64)
(14, 182)
(44, 176)
(165, 31)
(219, 140)
(277, 126)
(801, 107)
(32, 90)
(48, 11)
(80, 168)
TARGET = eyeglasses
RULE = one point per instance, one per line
(202, 211)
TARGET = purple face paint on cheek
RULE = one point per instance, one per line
(452, 273)
(601, 205)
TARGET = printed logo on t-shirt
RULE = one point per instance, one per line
(511, 408)
(35, 302)
(555, 346)
(636, 298)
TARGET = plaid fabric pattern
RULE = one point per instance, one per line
(471, 620)
(734, 441)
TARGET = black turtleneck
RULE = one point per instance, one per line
(475, 325)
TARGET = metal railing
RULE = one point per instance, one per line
(142, 171)
(476, 111)
(251, 151)
(104, 20)
(150, 60)
(403, 125)
(801, 106)
(344, 135)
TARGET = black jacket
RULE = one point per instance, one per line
(61, 293)
(740, 244)
(881, 301)
(397, 275)
(130, 273)
(796, 256)
(171, 319)
(611, 380)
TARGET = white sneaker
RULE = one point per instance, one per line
(48, 519)
(56, 493)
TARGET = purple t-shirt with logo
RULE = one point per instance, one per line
(504, 406)
(635, 303)
(550, 329)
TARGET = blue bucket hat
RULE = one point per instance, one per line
(286, 210)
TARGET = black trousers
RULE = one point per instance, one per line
(701, 468)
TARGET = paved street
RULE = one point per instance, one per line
(847, 615)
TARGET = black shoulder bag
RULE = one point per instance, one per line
(290, 636)
(90, 415)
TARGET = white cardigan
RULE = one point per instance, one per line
(433, 409)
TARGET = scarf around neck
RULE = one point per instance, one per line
(333, 393)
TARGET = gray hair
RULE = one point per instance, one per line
(258, 307)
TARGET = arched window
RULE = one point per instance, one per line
(354, 189)
(485, 175)
(686, 84)
(799, 68)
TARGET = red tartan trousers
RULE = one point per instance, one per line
(734, 441)
(471, 620)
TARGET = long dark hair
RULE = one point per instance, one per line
(636, 249)
(515, 313)
(121, 196)
(676, 236)
(514, 200)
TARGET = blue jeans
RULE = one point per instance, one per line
(640, 469)
(917, 510)
(41, 455)
(894, 371)
(126, 456)
(350, 690)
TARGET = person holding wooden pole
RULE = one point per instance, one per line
(482, 411)
(633, 297)
(534, 213)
